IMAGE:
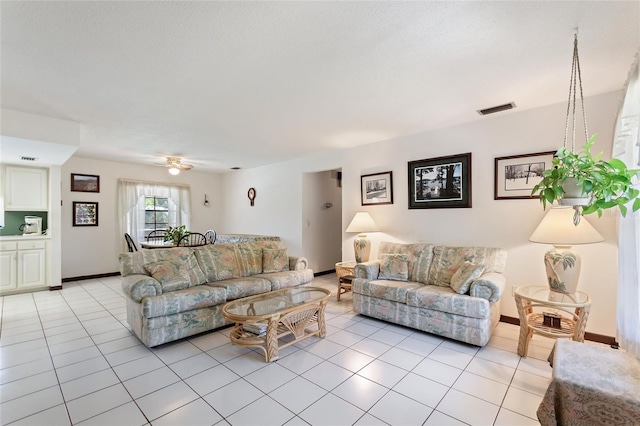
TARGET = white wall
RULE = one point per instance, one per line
(502, 223)
(94, 250)
(322, 227)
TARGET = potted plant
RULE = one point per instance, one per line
(175, 233)
(602, 184)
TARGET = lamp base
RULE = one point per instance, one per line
(362, 248)
(563, 269)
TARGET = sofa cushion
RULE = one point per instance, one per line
(286, 279)
(394, 267)
(174, 302)
(447, 260)
(419, 256)
(218, 261)
(384, 289)
(464, 276)
(171, 276)
(179, 256)
(274, 260)
(243, 286)
(132, 263)
(249, 259)
(444, 299)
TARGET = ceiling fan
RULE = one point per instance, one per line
(175, 165)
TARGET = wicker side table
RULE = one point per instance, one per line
(532, 301)
(345, 271)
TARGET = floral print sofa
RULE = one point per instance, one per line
(178, 292)
(449, 291)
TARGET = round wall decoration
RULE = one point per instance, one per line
(252, 195)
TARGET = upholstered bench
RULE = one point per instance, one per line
(591, 385)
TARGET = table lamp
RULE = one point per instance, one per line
(361, 223)
(561, 263)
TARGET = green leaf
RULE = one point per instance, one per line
(623, 210)
(636, 204)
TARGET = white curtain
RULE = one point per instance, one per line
(131, 195)
(626, 146)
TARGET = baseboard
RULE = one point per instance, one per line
(55, 287)
(317, 274)
(594, 337)
(89, 277)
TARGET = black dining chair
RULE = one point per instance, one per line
(192, 240)
(210, 236)
(157, 235)
(130, 244)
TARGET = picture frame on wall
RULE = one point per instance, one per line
(85, 213)
(442, 182)
(85, 183)
(376, 189)
(516, 175)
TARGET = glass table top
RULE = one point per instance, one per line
(275, 301)
(545, 295)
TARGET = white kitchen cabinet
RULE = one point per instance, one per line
(26, 189)
(23, 264)
(8, 265)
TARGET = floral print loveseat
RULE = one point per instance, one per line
(449, 291)
(178, 292)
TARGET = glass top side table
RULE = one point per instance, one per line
(533, 301)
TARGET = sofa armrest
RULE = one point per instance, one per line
(298, 263)
(488, 286)
(368, 270)
(136, 287)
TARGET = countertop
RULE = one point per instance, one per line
(24, 237)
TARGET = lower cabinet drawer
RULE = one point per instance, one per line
(28, 245)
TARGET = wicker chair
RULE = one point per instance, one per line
(130, 244)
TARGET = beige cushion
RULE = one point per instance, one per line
(274, 260)
(464, 276)
(394, 267)
(170, 275)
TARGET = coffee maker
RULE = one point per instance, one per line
(32, 225)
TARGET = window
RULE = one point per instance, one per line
(156, 214)
(146, 206)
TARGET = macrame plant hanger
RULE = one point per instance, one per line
(576, 79)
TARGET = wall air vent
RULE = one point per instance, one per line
(499, 108)
(25, 158)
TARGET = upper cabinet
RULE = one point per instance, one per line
(26, 189)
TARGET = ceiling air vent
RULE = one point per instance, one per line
(235, 168)
(25, 158)
(499, 108)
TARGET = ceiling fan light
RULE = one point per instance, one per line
(174, 170)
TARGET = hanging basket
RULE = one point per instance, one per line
(573, 194)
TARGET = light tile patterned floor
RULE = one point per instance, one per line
(67, 357)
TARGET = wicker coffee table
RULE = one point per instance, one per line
(262, 320)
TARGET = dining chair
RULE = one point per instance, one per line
(130, 244)
(156, 236)
(210, 236)
(192, 240)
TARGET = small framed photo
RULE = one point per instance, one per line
(442, 182)
(515, 176)
(85, 183)
(85, 213)
(376, 188)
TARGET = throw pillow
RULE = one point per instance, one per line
(394, 267)
(170, 275)
(466, 274)
(275, 260)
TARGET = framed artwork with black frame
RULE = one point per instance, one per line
(516, 175)
(85, 183)
(85, 213)
(442, 182)
(376, 189)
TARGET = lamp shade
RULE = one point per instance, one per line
(557, 228)
(362, 222)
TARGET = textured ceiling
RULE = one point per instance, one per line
(249, 83)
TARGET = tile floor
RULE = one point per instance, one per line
(68, 357)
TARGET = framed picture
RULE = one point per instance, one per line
(515, 176)
(85, 183)
(85, 213)
(443, 182)
(376, 188)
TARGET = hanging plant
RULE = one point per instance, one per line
(604, 184)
